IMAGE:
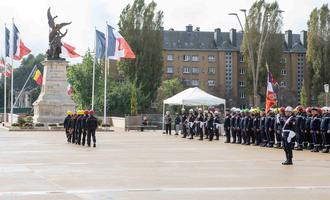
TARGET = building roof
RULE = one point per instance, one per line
(205, 41)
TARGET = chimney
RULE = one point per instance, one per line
(162, 28)
(288, 38)
(217, 37)
(303, 38)
(189, 28)
(197, 29)
(232, 37)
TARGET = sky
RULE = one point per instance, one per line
(30, 16)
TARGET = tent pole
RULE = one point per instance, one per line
(163, 116)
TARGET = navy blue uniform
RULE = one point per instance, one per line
(91, 127)
(308, 135)
(216, 126)
(256, 129)
(299, 130)
(269, 127)
(315, 130)
(325, 131)
(184, 125)
(227, 127)
(66, 125)
(288, 138)
(210, 128)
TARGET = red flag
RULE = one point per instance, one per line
(69, 51)
(69, 89)
(270, 95)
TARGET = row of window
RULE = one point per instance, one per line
(195, 82)
(195, 58)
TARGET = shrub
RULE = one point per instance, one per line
(105, 125)
(39, 125)
(30, 125)
(99, 122)
(21, 121)
(52, 125)
(28, 119)
(15, 124)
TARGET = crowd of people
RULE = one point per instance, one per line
(300, 128)
(80, 125)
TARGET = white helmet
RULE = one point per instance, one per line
(167, 112)
(183, 109)
(216, 112)
(288, 109)
(233, 109)
(325, 109)
(237, 110)
(191, 111)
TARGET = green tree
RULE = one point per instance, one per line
(303, 96)
(133, 100)
(318, 48)
(262, 42)
(80, 77)
(167, 89)
(140, 24)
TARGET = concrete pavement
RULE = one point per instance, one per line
(150, 165)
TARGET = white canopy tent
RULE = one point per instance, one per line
(193, 97)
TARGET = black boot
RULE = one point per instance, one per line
(326, 150)
(299, 147)
(316, 149)
(94, 145)
(287, 162)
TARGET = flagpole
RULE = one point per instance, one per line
(12, 79)
(93, 87)
(27, 80)
(5, 84)
(105, 76)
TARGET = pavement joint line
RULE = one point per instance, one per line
(193, 189)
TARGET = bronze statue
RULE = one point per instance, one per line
(55, 36)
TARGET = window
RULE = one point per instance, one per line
(242, 83)
(170, 70)
(186, 82)
(241, 71)
(194, 82)
(211, 70)
(186, 57)
(242, 95)
(283, 61)
(241, 59)
(211, 82)
(195, 70)
(283, 72)
(120, 81)
(283, 84)
(186, 70)
(211, 58)
(195, 58)
(170, 57)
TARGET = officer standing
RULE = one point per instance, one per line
(270, 119)
(227, 126)
(216, 125)
(184, 121)
(256, 127)
(308, 136)
(238, 129)
(325, 129)
(263, 129)
(66, 125)
(315, 129)
(91, 126)
(84, 126)
(73, 128)
(299, 128)
(210, 128)
(191, 120)
(288, 135)
(79, 127)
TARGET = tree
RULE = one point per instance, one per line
(133, 100)
(80, 77)
(262, 25)
(141, 26)
(318, 48)
(167, 89)
(303, 96)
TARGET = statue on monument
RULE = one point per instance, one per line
(55, 36)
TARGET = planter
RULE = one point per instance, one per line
(55, 128)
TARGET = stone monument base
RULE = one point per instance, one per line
(53, 101)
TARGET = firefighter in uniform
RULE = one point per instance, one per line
(91, 127)
(308, 135)
(315, 129)
(269, 127)
(84, 126)
(288, 135)
(191, 120)
(66, 125)
(299, 127)
(210, 128)
(227, 126)
(263, 129)
(256, 126)
(217, 125)
(78, 127)
(184, 122)
(325, 129)
(238, 128)
(73, 128)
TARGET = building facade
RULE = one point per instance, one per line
(212, 61)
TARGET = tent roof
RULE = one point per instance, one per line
(194, 96)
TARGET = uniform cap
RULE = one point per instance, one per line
(288, 109)
(91, 112)
(86, 112)
(69, 112)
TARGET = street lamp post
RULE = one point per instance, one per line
(326, 90)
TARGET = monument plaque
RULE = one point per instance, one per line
(53, 101)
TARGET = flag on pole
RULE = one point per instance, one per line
(19, 48)
(68, 51)
(7, 42)
(271, 98)
(117, 46)
(5, 68)
(38, 77)
(99, 44)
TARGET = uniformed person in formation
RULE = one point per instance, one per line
(84, 126)
(191, 122)
(308, 135)
(227, 126)
(91, 127)
(256, 126)
(217, 125)
(168, 122)
(325, 129)
(300, 120)
(184, 121)
(288, 135)
(66, 125)
(79, 127)
(315, 129)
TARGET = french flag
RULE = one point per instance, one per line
(271, 98)
(19, 48)
(116, 46)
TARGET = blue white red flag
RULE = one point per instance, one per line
(19, 50)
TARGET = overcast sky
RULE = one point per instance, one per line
(31, 19)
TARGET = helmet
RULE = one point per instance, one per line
(167, 112)
(319, 110)
(282, 109)
(200, 109)
(325, 109)
(69, 112)
(288, 109)
(308, 109)
(216, 112)
(191, 111)
(183, 109)
(86, 112)
(299, 108)
(91, 112)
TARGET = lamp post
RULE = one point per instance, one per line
(326, 90)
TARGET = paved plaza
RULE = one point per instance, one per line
(150, 165)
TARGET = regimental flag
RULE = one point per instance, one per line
(116, 45)
(69, 89)
(5, 68)
(271, 97)
(38, 77)
(68, 51)
(99, 44)
(7, 42)
(19, 50)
